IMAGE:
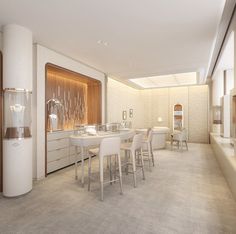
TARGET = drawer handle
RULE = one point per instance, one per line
(58, 149)
(58, 159)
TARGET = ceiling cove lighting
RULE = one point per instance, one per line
(180, 79)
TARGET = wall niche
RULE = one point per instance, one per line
(79, 96)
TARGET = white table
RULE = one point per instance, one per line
(159, 136)
(86, 141)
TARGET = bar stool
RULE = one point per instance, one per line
(109, 146)
(135, 150)
(147, 147)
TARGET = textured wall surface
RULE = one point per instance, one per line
(198, 114)
(121, 98)
(150, 104)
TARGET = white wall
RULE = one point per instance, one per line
(229, 80)
(150, 104)
(43, 56)
(217, 87)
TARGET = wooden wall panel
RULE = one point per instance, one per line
(94, 104)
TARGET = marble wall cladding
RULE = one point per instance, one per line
(150, 104)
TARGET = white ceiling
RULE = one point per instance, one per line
(123, 38)
(227, 58)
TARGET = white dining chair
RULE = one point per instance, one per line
(147, 147)
(109, 146)
(179, 137)
(135, 150)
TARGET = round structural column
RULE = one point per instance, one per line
(17, 87)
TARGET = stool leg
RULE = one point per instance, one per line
(115, 168)
(142, 164)
(101, 175)
(149, 155)
(171, 142)
(120, 174)
(134, 167)
(126, 161)
(152, 156)
(186, 145)
(89, 172)
(110, 169)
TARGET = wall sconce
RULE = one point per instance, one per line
(131, 113)
(159, 120)
(124, 115)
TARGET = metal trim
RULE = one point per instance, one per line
(17, 90)
(17, 138)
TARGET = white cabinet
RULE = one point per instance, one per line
(59, 152)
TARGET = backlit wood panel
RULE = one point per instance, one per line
(94, 103)
(80, 95)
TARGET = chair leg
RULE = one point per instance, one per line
(126, 161)
(152, 156)
(149, 156)
(134, 167)
(141, 153)
(120, 174)
(115, 174)
(181, 145)
(110, 169)
(101, 176)
(186, 145)
(89, 172)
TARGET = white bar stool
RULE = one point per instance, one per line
(135, 149)
(147, 147)
(108, 147)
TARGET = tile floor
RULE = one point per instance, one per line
(185, 193)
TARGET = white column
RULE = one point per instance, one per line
(17, 74)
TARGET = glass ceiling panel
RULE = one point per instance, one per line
(180, 79)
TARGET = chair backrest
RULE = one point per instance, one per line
(137, 141)
(149, 134)
(181, 135)
(109, 146)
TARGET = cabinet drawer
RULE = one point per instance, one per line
(72, 150)
(55, 165)
(57, 144)
(59, 135)
(57, 154)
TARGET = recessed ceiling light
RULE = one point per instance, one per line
(101, 42)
